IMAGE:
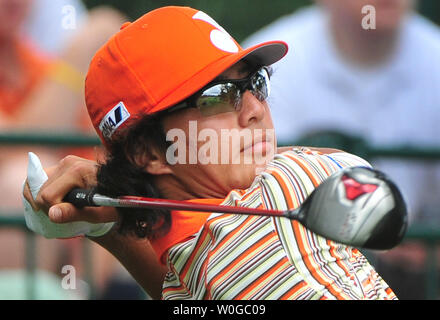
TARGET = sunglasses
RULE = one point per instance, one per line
(225, 95)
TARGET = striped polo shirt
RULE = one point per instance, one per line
(254, 257)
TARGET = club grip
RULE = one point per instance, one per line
(80, 198)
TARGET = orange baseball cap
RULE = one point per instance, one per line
(159, 60)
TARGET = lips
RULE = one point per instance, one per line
(259, 144)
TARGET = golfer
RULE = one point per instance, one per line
(182, 111)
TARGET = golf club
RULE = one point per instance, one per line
(357, 206)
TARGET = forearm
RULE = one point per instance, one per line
(138, 257)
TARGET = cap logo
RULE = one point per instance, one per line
(113, 120)
(219, 37)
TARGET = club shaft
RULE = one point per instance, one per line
(81, 198)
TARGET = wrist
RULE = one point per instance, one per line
(105, 229)
(101, 229)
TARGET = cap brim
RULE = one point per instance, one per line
(265, 53)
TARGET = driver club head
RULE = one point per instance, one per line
(357, 206)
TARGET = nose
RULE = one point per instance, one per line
(252, 110)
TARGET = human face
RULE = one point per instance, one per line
(228, 138)
(389, 13)
(12, 15)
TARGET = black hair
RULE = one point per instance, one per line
(123, 174)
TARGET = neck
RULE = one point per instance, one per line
(171, 187)
(365, 48)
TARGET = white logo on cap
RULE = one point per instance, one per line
(113, 119)
(219, 37)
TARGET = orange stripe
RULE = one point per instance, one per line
(315, 183)
(249, 195)
(390, 293)
(333, 253)
(183, 225)
(210, 254)
(188, 263)
(182, 283)
(306, 169)
(308, 263)
(284, 188)
(248, 254)
(242, 226)
(236, 230)
(323, 166)
(180, 288)
(293, 291)
(267, 274)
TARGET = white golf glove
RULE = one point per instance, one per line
(40, 223)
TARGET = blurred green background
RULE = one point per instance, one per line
(239, 17)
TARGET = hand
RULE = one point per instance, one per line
(43, 194)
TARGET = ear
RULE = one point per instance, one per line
(154, 163)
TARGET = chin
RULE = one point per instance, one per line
(242, 178)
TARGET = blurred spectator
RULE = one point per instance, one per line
(381, 83)
(41, 88)
(45, 21)
(39, 91)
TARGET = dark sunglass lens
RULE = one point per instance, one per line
(226, 97)
(261, 84)
(218, 99)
